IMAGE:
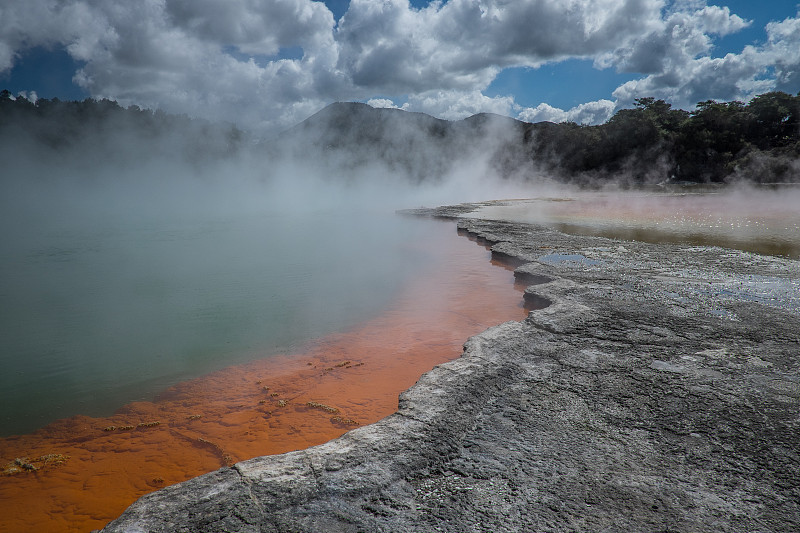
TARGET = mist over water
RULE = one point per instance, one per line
(126, 267)
(99, 314)
(129, 262)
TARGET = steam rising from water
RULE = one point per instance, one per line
(96, 233)
(127, 265)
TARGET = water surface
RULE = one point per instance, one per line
(98, 311)
(89, 469)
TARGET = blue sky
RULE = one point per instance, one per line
(266, 64)
(569, 83)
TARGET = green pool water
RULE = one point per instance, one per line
(100, 310)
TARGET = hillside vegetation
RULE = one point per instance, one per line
(90, 132)
(651, 143)
(717, 142)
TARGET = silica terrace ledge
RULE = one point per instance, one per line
(659, 391)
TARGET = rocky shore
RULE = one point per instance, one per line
(657, 388)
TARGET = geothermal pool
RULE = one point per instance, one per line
(142, 353)
(392, 308)
(107, 310)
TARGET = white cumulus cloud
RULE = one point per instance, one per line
(455, 105)
(588, 113)
(267, 64)
(463, 44)
(680, 67)
(382, 103)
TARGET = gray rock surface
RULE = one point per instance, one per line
(659, 391)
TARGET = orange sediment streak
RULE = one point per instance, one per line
(79, 473)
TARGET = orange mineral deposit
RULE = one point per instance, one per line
(79, 473)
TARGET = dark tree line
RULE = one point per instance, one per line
(650, 143)
(104, 129)
(717, 142)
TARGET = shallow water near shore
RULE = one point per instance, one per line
(764, 221)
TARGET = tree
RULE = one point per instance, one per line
(712, 140)
(660, 113)
(776, 119)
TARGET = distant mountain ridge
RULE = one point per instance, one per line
(419, 145)
(717, 142)
(352, 121)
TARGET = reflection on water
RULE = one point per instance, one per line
(761, 221)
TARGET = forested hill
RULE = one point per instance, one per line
(102, 130)
(651, 143)
(719, 141)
